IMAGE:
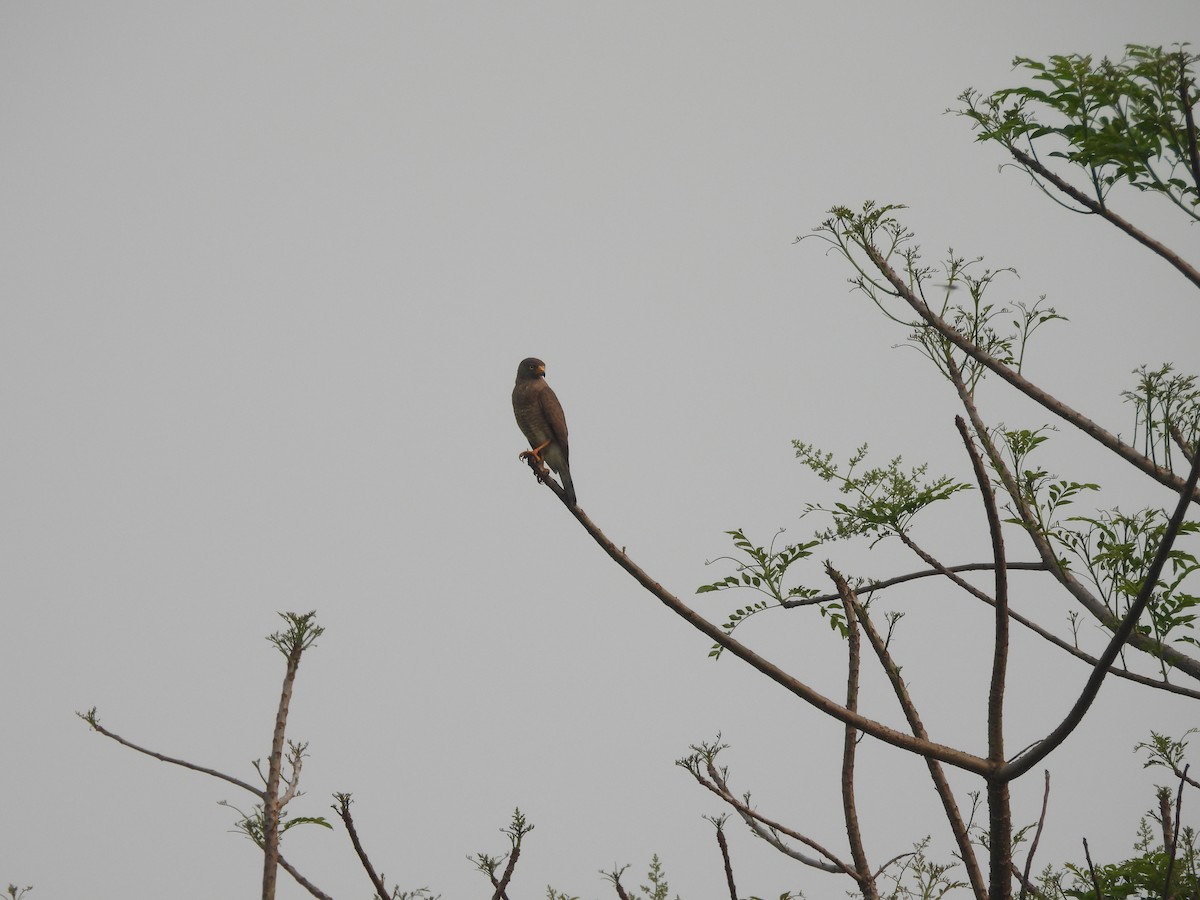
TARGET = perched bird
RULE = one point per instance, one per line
(540, 418)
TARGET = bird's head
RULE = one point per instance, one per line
(531, 368)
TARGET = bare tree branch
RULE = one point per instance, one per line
(872, 586)
(1053, 404)
(1037, 836)
(91, 718)
(302, 881)
(866, 884)
(756, 821)
(342, 807)
(1174, 259)
(962, 837)
(950, 755)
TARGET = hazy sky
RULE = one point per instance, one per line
(267, 272)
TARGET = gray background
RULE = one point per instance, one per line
(267, 270)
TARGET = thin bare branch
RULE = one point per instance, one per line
(756, 821)
(1161, 250)
(302, 881)
(950, 573)
(866, 884)
(950, 755)
(1037, 836)
(342, 807)
(962, 836)
(1087, 854)
(1000, 651)
(1053, 404)
(872, 586)
(94, 722)
(1185, 103)
(724, 845)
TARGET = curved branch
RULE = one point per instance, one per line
(756, 821)
(91, 719)
(951, 573)
(1000, 655)
(1083, 423)
(1074, 587)
(873, 586)
(950, 755)
(1024, 763)
(858, 853)
(962, 836)
(1105, 213)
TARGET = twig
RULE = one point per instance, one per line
(302, 881)
(866, 884)
(342, 807)
(872, 586)
(1037, 836)
(1087, 854)
(1185, 104)
(1000, 652)
(92, 720)
(1174, 845)
(724, 845)
(1041, 632)
(1083, 423)
(1104, 212)
(752, 818)
(962, 836)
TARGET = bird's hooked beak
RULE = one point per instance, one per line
(541, 370)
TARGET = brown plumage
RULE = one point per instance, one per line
(540, 418)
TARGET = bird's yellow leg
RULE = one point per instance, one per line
(536, 452)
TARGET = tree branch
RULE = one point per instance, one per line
(866, 884)
(950, 755)
(872, 586)
(962, 837)
(1146, 643)
(342, 807)
(1174, 259)
(1024, 763)
(1083, 423)
(91, 718)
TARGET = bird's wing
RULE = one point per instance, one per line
(553, 412)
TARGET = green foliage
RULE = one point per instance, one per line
(16, 893)
(1042, 493)
(884, 499)
(914, 876)
(657, 889)
(1129, 121)
(1167, 411)
(1165, 751)
(1115, 550)
(1142, 876)
(1001, 331)
(761, 569)
(300, 634)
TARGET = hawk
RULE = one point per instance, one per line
(540, 418)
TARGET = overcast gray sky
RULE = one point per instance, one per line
(268, 269)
